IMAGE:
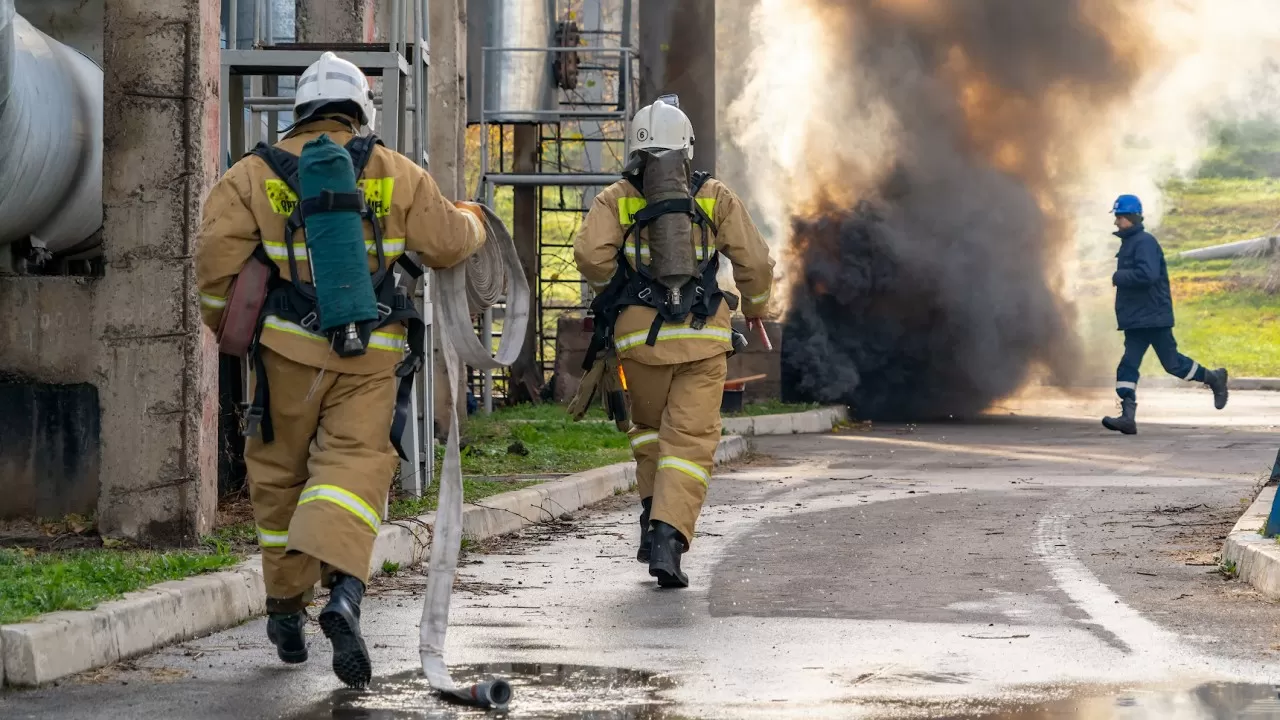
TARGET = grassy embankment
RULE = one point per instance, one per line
(1227, 311)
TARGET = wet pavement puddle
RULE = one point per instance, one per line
(1219, 701)
(569, 692)
(540, 692)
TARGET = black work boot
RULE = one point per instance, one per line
(287, 632)
(340, 621)
(664, 558)
(1126, 423)
(646, 537)
(1217, 382)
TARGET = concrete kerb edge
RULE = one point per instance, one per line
(811, 421)
(60, 644)
(1256, 559)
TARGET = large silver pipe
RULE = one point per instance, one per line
(50, 138)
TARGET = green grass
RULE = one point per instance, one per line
(33, 583)
(539, 439)
(1238, 330)
(1224, 317)
(237, 534)
(473, 491)
(772, 407)
(1210, 211)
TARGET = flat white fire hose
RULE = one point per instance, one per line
(454, 295)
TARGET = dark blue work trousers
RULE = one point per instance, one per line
(1135, 347)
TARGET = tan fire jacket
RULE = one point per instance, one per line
(596, 253)
(250, 205)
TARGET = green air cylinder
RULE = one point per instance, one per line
(335, 238)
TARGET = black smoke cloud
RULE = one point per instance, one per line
(935, 293)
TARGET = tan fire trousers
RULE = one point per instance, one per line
(320, 487)
(676, 413)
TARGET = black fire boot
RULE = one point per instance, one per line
(664, 559)
(1217, 382)
(646, 537)
(340, 621)
(1126, 423)
(286, 625)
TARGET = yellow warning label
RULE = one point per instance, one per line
(378, 192)
(283, 201)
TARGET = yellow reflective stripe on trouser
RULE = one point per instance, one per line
(387, 341)
(643, 438)
(212, 301)
(272, 538)
(277, 250)
(683, 332)
(344, 499)
(380, 340)
(692, 469)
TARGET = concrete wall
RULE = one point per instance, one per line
(134, 334)
(157, 365)
(49, 449)
(341, 21)
(77, 23)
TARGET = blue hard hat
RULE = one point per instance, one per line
(1127, 205)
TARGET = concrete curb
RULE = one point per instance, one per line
(811, 421)
(64, 643)
(1257, 559)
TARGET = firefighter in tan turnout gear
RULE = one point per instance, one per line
(650, 249)
(319, 452)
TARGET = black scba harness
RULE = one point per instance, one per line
(295, 301)
(700, 296)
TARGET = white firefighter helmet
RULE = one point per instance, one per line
(333, 80)
(662, 125)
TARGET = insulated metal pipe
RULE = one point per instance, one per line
(50, 138)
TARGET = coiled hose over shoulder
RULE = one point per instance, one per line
(50, 139)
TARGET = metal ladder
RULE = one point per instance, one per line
(606, 67)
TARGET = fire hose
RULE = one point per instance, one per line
(457, 293)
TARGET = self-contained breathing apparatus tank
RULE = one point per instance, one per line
(670, 236)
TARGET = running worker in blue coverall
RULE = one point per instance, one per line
(1144, 311)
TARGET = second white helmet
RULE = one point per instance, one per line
(330, 80)
(662, 126)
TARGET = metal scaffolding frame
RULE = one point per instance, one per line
(554, 175)
(400, 64)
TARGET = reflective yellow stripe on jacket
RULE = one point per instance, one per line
(380, 340)
(680, 332)
(391, 247)
(629, 206)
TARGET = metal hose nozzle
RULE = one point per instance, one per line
(494, 694)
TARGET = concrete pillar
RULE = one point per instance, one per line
(678, 55)
(336, 21)
(156, 366)
(447, 97)
(446, 144)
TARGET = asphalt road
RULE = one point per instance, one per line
(1019, 566)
